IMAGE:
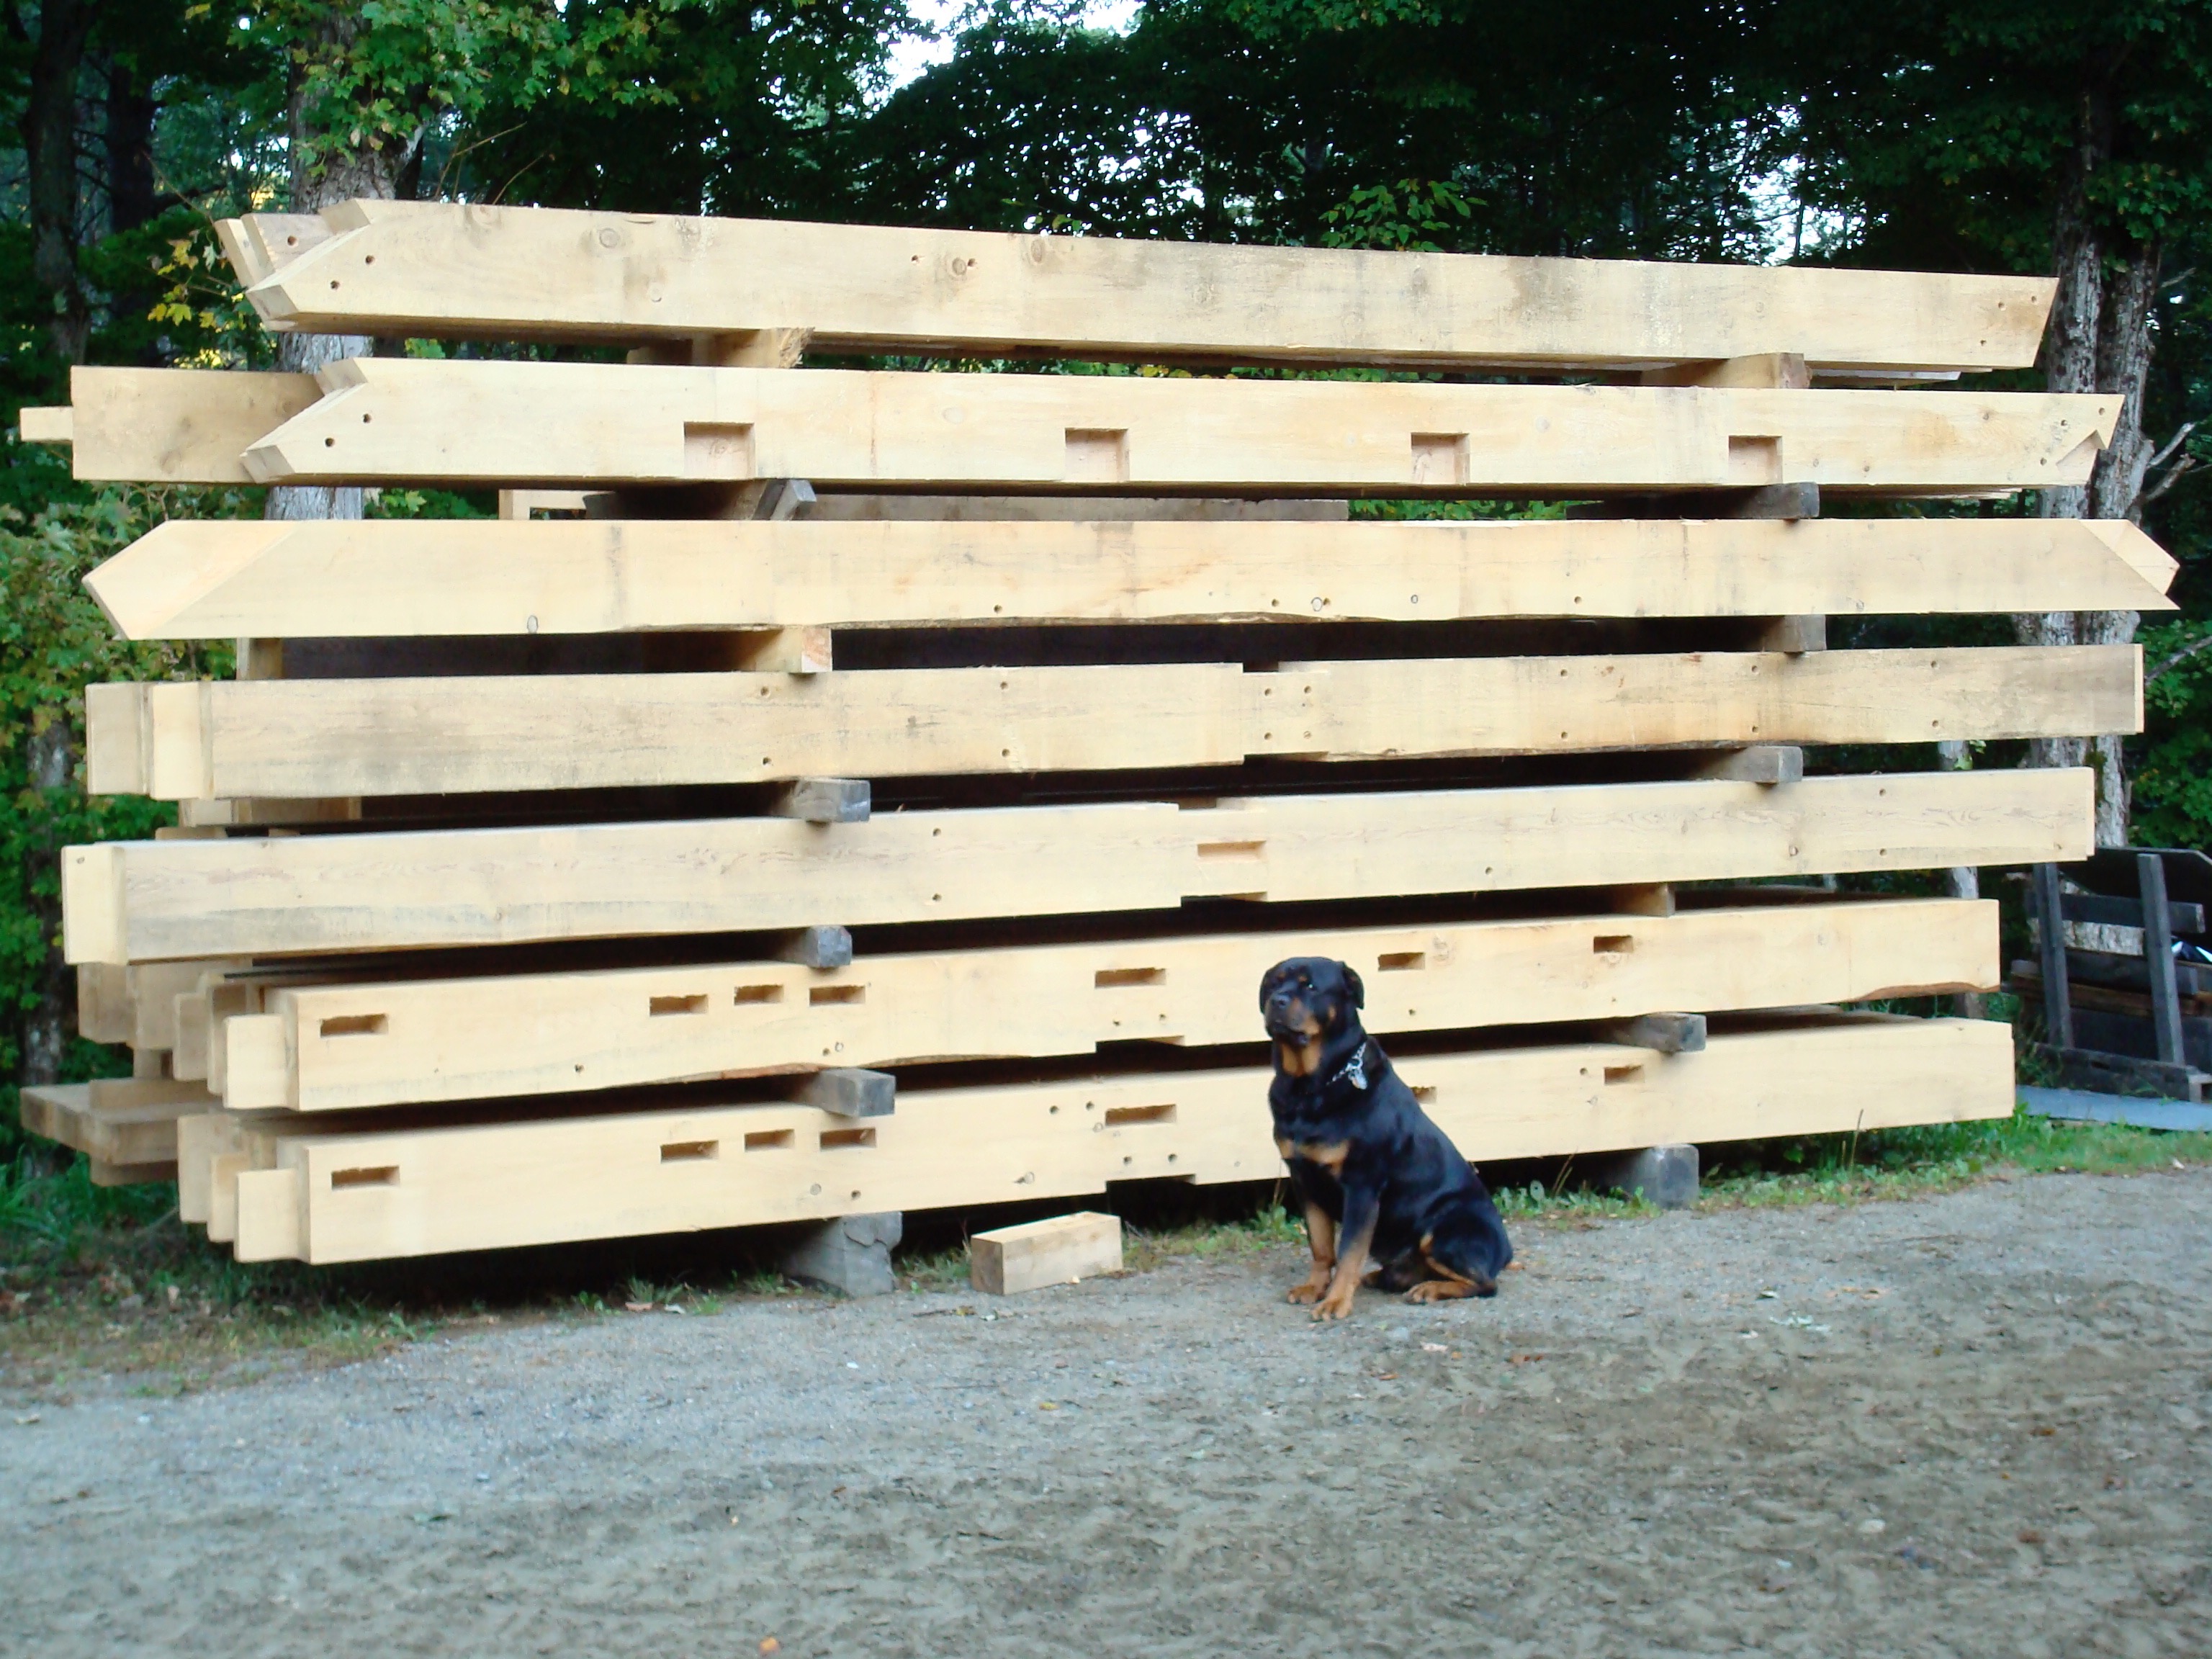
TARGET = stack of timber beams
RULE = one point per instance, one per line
(996, 730)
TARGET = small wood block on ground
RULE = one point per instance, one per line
(1007, 1260)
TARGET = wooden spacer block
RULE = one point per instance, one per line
(1007, 1260)
(825, 946)
(1651, 898)
(104, 1174)
(823, 801)
(782, 498)
(1778, 370)
(792, 650)
(1665, 1033)
(850, 1091)
(1794, 635)
(1763, 762)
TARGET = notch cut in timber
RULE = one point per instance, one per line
(1663, 1033)
(824, 801)
(825, 946)
(1764, 763)
(849, 1091)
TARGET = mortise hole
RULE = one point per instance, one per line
(1118, 1116)
(686, 1005)
(1424, 1092)
(767, 1140)
(1614, 945)
(383, 1175)
(819, 994)
(1439, 458)
(1096, 455)
(354, 1025)
(1623, 1075)
(1231, 849)
(1392, 962)
(759, 993)
(690, 1151)
(833, 1139)
(1106, 977)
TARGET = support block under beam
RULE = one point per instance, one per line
(850, 1091)
(1764, 763)
(1665, 1033)
(824, 801)
(826, 946)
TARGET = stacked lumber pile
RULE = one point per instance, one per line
(582, 873)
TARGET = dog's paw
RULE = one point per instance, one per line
(1308, 1292)
(1333, 1307)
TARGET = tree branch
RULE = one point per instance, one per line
(2174, 659)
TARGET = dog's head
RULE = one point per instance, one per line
(1307, 1001)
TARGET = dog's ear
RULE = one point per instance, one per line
(1352, 985)
(1267, 984)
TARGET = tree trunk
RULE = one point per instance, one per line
(50, 156)
(132, 197)
(339, 173)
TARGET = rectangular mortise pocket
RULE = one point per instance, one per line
(658, 1006)
(340, 1025)
(1122, 1117)
(382, 1175)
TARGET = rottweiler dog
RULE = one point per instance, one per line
(1377, 1179)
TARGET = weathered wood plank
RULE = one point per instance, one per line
(141, 901)
(426, 269)
(1007, 1260)
(308, 738)
(219, 580)
(351, 1197)
(342, 1046)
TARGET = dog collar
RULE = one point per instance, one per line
(1354, 1068)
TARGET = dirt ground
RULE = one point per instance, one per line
(1970, 1424)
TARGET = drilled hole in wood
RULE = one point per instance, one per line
(832, 1139)
(684, 1004)
(816, 995)
(690, 1151)
(383, 1175)
(1397, 961)
(1623, 1075)
(767, 1140)
(1106, 978)
(1614, 945)
(340, 1025)
(1118, 1116)
(760, 994)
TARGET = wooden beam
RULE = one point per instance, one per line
(417, 420)
(362, 1195)
(176, 426)
(151, 900)
(345, 1047)
(308, 738)
(439, 269)
(217, 580)
(122, 1121)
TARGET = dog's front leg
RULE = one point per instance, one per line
(1355, 1233)
(1320, 1239)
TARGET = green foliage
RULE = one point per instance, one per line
(53, 642)
(2172, 771)
(1412, 216)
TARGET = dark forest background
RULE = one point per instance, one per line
(2026, 135)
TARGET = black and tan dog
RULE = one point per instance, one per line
(1377, 1179)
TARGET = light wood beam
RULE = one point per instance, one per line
(342, 1047)
(305, 739)
(441, 269)
(359, 1196)
(147, 901)
(216, 580)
